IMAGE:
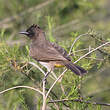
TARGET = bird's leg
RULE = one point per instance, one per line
(46, 75)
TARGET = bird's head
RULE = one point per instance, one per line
(32, 31)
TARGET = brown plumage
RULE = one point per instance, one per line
(49, 54)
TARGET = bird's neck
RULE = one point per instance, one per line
(39, 40)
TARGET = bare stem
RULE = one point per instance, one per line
(55, 82)
(44, 95)
(81, 101)
(28, 87)
(91, 58)
(81, 50)
(91, 51)
(32, 63)
(76, 41)
(44, 91)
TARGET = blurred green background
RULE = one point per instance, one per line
(63, 21)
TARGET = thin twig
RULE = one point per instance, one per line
(76, 41)
(55, 82)
(35, 65)
(57, 107)
(32, 63)
(80, 101)
(44, 95)
(81, 50)
(56, 97)
(91, 51)
(91, 58)
(28, 87)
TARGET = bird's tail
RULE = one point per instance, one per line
(74, 68)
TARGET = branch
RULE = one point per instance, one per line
(35, 65)
(44, 94)
(91, 51)
(55, 82)
(81, 50)
(76, 41)
(32, 63)
(28, 87)
(80, 101)
(99, 59)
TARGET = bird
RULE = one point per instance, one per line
(49, 54)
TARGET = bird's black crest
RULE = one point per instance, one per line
(32, 27)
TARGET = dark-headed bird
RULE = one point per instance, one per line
(48, 54)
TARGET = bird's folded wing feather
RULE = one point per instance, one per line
(62, 51)
(46, 53)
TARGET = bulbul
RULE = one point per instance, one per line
(48, 54)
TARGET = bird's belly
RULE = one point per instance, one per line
(51, 64)
(45, 64)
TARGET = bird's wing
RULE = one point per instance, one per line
(46, 53)
(61, 50)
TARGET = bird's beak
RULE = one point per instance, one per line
(24, 32)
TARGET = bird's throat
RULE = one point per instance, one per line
(39, 40)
